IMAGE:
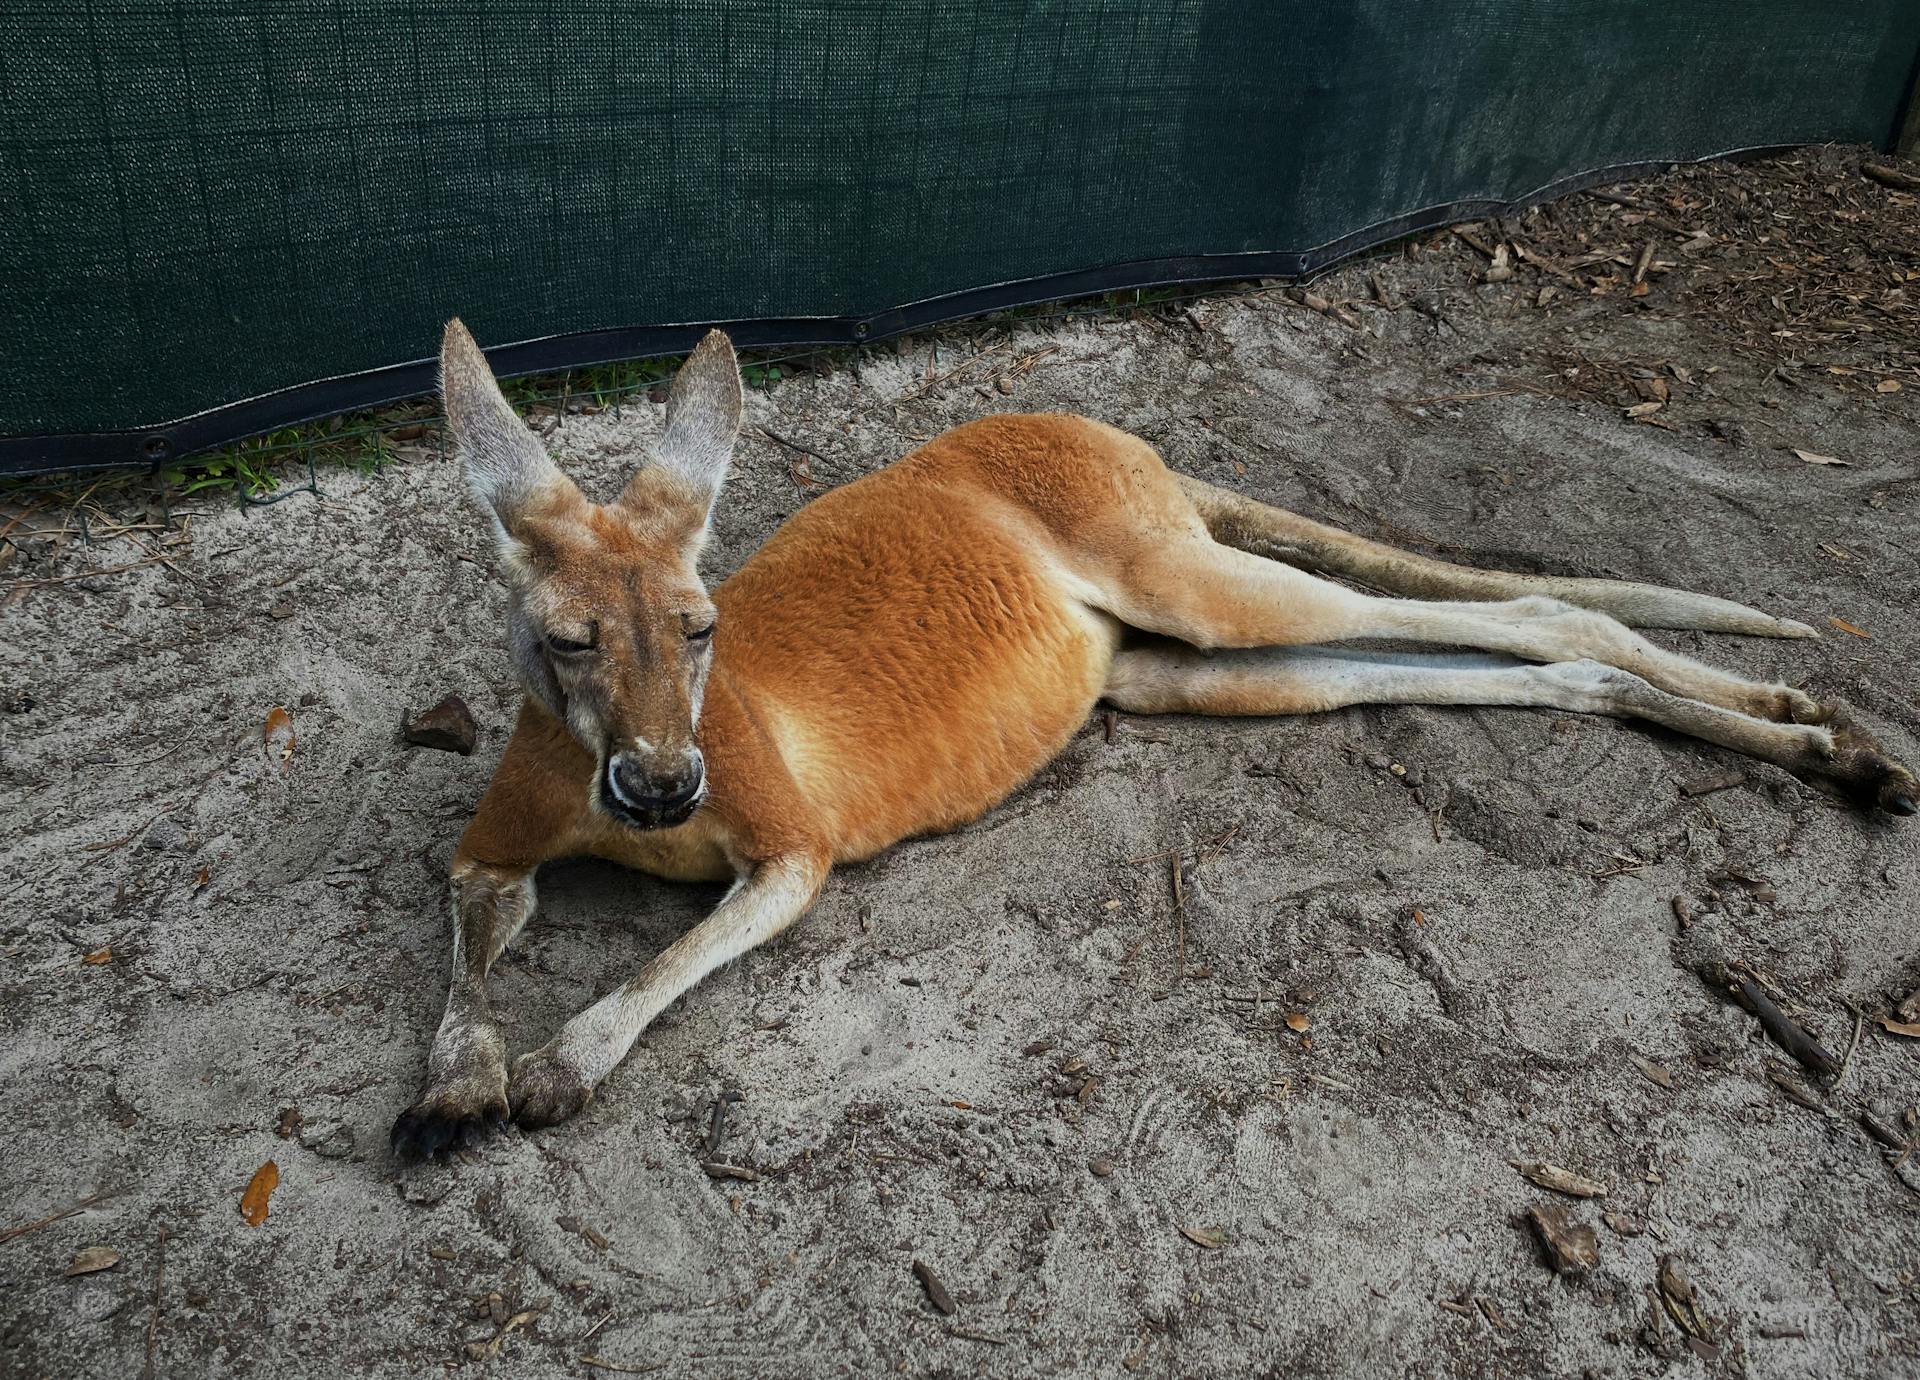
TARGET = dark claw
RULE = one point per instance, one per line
(421, 1133)
(1899, 803)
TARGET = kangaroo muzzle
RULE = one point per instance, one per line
(653, 790)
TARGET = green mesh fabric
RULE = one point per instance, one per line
(208, 201)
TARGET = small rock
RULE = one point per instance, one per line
(447, 726)
(1620, 1224)
(1004, 384)
(1572, 1247)
(93, 1300)
(289, 1122)
(330, 1139)
(1101, 1168)
(1723, 780)
(164, 836)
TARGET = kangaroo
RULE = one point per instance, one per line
(911, 647)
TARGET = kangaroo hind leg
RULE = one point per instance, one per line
(1249, 525)
(1167, 679)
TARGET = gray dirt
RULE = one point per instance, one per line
(978, 1052)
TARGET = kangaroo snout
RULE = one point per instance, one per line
(652, 789)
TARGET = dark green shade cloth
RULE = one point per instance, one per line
(205, 203)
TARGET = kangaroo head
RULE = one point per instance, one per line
(609, 624)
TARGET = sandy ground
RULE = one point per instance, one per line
(979, 1052)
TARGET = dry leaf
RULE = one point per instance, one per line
(1645, 409)
(1847, 627)
(1213, 1238)
(253, 1203)
(1815, 459)
(278, 736)
(1910, 1029)
(1560, 1180)
(201, 878)
(1887, 386)
(1654, 1072)
(1298, 1021)
(92, 1260)
(103, 954)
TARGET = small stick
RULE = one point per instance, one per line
(1885, 1134)
(1891, 177)
(1180, 922)
(602, 1363)
(1783, 1029)
(717, 1127)
(1646, 257)
(81, 1206)
(153, 1322)
(119, 843)
(85, 574)
(1846, 1060)
(1474, 240)
(966, 1335)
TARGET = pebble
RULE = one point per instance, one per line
(448, 726)
(329, 1138)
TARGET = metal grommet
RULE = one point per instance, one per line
(860, 330)
(157, 447)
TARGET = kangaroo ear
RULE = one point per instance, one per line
(506, 466)
(703, 418)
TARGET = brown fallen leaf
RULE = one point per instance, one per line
(1213, 1238)
(1645, 409)
(103, 954)
(92, 1260)
(1682, 1301)
(1560, 1180)
(201, 878)
(1910, 1029)
(1572, 1247)
(1813, 458)
(1655, 1073)
(937, 1293)
(253, 1203)
(1887, 386)
(1847, 627)
(1298, 1021)
(278, 736)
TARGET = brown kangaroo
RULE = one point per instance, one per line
(911, 647)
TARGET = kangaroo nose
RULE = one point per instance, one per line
(638, 786)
